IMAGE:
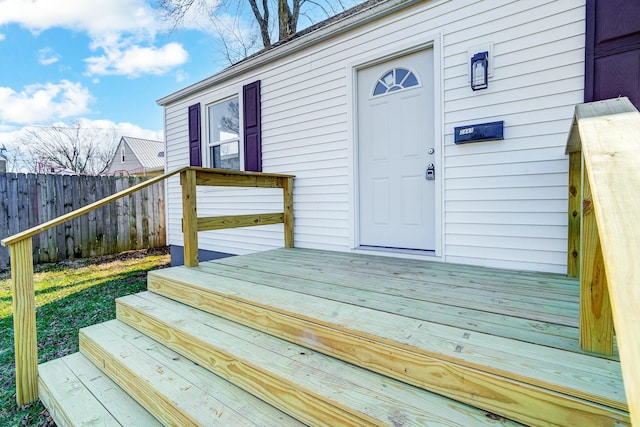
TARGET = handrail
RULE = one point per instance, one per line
(20, 246)
(605, 137)
(86, 209)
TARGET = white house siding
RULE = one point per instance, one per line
(504, 203)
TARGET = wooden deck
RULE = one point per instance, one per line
(504, 344)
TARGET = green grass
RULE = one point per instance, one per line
(69, 296)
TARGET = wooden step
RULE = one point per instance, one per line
(530, 383)
(175, 390)
(317, 389)
(77, 393)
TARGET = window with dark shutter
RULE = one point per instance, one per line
(195, 148)
(252, 127)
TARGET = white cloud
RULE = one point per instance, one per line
(41, 103)
(122, 32)
(181, 76)
(47, 56)
(96, 17)
(133, 60)
(2, 37)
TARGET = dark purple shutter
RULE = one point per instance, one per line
(612, 63)
(252, 133)
(195, 148)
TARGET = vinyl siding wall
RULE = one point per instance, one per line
(504, 203)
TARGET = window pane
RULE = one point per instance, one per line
(224, 121)
(411, 81)
(226, 156)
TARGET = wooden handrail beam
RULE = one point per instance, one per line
(238, 221)
(86, 209)
(608, 134)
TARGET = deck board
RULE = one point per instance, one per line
(544, 333)
(164, 384)
(321, 390)
(77, 393)
(532, 306)
(562, 371)
(323, 302)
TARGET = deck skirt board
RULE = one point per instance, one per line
(326, 387)
(159, 387)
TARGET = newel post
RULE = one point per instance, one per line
(24, 321)
(596, 318)
(287, 189)
(189, 217)
(575, 213)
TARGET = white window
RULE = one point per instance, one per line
(122, 154)
(223, 144)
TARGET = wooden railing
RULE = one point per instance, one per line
(20, 246)
(604, 232)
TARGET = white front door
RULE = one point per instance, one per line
(395, 150)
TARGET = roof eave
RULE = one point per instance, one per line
(350, 22)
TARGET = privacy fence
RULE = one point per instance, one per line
(133, 222)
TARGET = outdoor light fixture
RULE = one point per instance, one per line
(480, 71)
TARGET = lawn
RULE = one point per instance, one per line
(69, 296)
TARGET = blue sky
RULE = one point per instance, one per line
(102, 63)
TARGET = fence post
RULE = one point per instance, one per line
(24, 321)
(189, 217)
(287, 189)
(596, 318)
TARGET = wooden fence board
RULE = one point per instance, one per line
(134, 222)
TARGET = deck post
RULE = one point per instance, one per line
(596, 318)
(189, 217)
(575, 193)
(24, 321)
(287, 189)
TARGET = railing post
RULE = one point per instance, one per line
(575, 209)
(287, 189)
(596, 318)
(189, 217)
(24, 321)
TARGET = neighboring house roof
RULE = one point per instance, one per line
(338, 24)
(149, 153)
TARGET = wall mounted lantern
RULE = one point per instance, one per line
(480, 71)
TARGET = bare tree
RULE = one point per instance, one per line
(73, 148)
(286, 19)
(18, 159)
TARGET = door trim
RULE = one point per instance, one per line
(425, 41)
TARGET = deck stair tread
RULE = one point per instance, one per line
(174, 389)
(76, 392)
(313, 387)
(427, 350)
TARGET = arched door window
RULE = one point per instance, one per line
(394, 80)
